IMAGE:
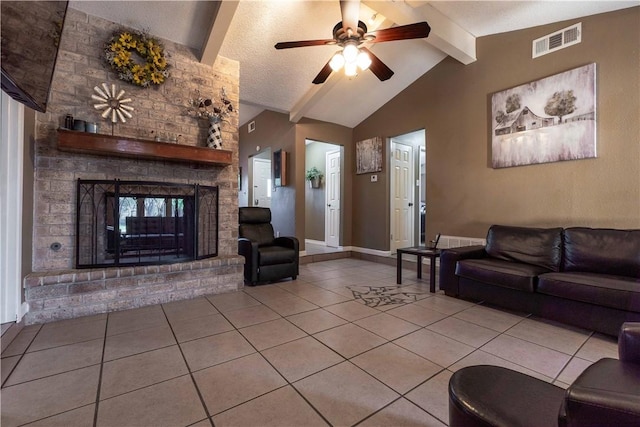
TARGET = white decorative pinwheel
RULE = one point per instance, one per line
(112, 104)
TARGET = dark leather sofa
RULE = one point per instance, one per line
(581, 276)
(607, 393)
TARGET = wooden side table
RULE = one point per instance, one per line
(419, 251)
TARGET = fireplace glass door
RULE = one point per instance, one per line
(143, 223)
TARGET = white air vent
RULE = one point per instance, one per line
(558, 40)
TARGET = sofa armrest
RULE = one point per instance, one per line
(448, 260)
(629, 342)
(607, 393)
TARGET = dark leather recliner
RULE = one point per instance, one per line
(267, 258)
(607, 393)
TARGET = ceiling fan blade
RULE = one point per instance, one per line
(350, 14)
(323, 75)
(304, 43)
(418, 30)
(378, 67)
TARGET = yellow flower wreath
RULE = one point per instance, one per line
(148, 66)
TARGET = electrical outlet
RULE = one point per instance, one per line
(374, 178)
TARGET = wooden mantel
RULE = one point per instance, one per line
(107, 145)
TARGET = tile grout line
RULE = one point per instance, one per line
(574, 356)
(21, 356)
(288, 383)
(104, 348)
(349, 360)
(193, 380)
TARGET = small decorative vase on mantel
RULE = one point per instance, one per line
(214, 134)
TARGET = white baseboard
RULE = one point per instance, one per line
(368, 251)
(315, 242)
(24, 309)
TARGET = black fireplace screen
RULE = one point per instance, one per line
(144, 223)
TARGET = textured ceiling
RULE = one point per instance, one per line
(281, 80)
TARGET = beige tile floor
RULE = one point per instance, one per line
(293, 353)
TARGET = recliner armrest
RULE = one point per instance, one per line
(629, 342)
(448, 260)
(287, 242)
(249, 250)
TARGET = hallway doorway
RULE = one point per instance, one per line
(323, 205)
(260, 180)
(407, 190)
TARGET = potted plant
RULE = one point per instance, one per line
(314, 176)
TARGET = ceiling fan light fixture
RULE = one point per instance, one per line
(363, 60)
(337, 62)
(350, 52)
(350, 69)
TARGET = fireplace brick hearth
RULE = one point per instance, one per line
(73, 293)
(55, 290)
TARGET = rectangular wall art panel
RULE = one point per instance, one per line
(549, 120)
(369, 155)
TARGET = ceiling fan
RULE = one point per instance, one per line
(350, 34)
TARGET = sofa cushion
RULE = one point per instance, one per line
(619, 292)
(507, 274)
(270, 255)
(599, 250)
(536, 246)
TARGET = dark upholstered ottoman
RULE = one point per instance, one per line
(494, 396)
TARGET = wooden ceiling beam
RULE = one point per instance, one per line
(445, 35)
(218, 31)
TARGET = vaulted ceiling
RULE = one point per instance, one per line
(280, 80)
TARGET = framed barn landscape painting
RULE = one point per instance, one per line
(549, 120)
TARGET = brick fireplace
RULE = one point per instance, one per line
(56, 289)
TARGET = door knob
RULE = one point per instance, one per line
(329, 204)
(410, 204)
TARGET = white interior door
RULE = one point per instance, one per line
(261, 178)
(332, 196)
(402, 196)
(11, 171)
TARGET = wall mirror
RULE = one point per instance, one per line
(279, 168)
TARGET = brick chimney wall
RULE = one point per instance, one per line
(55, 290)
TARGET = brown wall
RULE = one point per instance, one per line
(334, 134)
(274, 130)
(464, 194)
(315, 156)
